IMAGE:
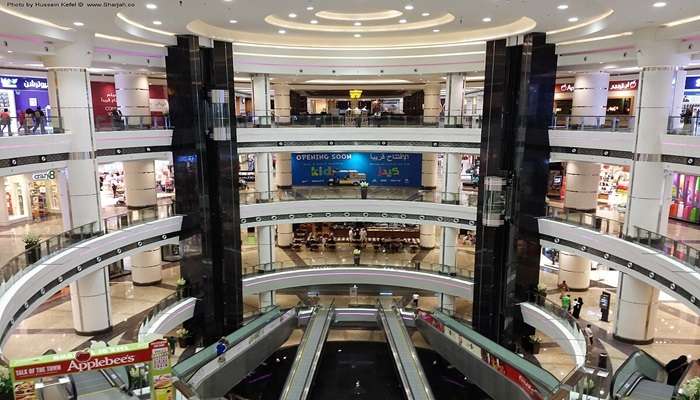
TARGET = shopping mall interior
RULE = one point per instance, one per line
(439, 200)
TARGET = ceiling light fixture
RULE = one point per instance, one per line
(313, 21)
(659, 4)
(358, 23)
(310, 8)
(292, 15)
(126, 40)
(357, 35)
(355, 81)
(402, 21)
(373, 16)
(382, 57)
(157, 23)
(33, 19)
(426, 14)
(436, 30)
(573, 19)
(591, 21)
(10, 51)
(140, 26)
(232, 21)
(486, 19)
(281, 31)
(563, 7)
(594, 39)
(682, 21)
(78, 23)
(408, 7)
(151, 6)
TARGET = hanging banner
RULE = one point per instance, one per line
(160, 372)
(339, 169)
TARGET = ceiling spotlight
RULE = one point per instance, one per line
(228, 1)
(659, 4)
(563, 6)
(357, 35)
(425, 15)
(436, 30)
(358, 23)
(281, 31)
(157, 23)
(151, 6)
(408, 7)
(10, 51)
(486, 19)
(292, 15)
(232, 21)
(573, 19)
(314, 21)
(402, 21)
(78, 23)
(310, 8)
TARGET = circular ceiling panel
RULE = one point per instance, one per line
(403, 26)
(368, 16)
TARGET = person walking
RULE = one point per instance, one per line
(363, 237)
(566, 302)
(675, 369)
(415, 298)
(589, 333)
(5, 121)
(39, 121)
(578, 303)
(356, 255)
(28, 118)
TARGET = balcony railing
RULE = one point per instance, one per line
(373, 193)
(614, 123)
(322, 262)
(687, 126)
(30, 126)
(31, 257)
(131, 123)
(359, 121)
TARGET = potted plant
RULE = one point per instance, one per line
(184, 337)
(541, 294)
(33, 252)
(364, 186)
(532, 344)
(690, 390)
(180, 287)
(6, 389)
(587, 386)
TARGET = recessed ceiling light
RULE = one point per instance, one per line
(486, 19)
(402, 21)
(573, 19)
(151, 6)
(228, 1)
(78, 23)
(310, 8)
(425, 14)
(436, 30)
(660, 4)
(358, 23)
(314, 21)
(563, 6)
(232, 21)
(10, 51)
(292, 15)
(157, 23)
(357, 35)
(408, 7)
(281, 31)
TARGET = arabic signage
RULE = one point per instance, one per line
(381, 169)
(104, 98)
(692, 83)
(26, 373)
(19, 83)
(614, 86)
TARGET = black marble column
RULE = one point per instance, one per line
(518, 98)
(206, 171)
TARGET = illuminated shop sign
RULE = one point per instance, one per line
(692, 82)
(13, 82)
(631, 84)
(44, 176)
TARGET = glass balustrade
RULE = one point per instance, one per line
(13, 126)
(372, 193)
(33, 256)
(610, 123)
(131, 122)
(362, 120)
(686, 126)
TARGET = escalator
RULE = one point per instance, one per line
(413, 377)
(103, 384)
(301, 376)
(641, 377)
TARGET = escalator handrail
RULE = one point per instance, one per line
(394, 348)
(414, 355)
(623, 368)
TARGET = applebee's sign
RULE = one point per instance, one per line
(85, 362)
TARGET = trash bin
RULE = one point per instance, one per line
(603, 360)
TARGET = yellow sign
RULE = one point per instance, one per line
(355, 93)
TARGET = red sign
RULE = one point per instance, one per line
(564, 88)
(616, 86)
(83, 361)
(513, 374)
(104, 98)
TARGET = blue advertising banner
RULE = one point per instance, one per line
(379, 169)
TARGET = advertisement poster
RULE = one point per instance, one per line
(104, 98)
(160, 373)
(340, 169)
(513, 374)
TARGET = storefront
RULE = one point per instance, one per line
(17, 94)
(685, 198)
(621, 97)
(30, 197)
(691, 98)
(113, 190)
(104, 99)
(613, 187)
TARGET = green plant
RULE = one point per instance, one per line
(542, 288)
(183, 333)
(6, 388)
(181, 282)
(364, 184)
(534, 339)
(690, 390)
(30, 240)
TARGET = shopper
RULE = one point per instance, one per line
(5, 121)
(363, 236)
(28, 119)
(356, 255)
(566, 302)
(589, 333)
(563, 287)
(39, 121)
(221, 347)
(675, 369)
(415, 297)
(114, 189)
(577, 307)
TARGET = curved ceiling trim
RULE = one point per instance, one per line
(401, 27)
(310, 57)
(370, 16)
(583, 24)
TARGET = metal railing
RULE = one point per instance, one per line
(372, 193)
(322, 262)
(131, 122)
(362, 120)
(17, 126)
(677, 249)
(25, 261)
(687, 126)
(614, 123)
(155, 311)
